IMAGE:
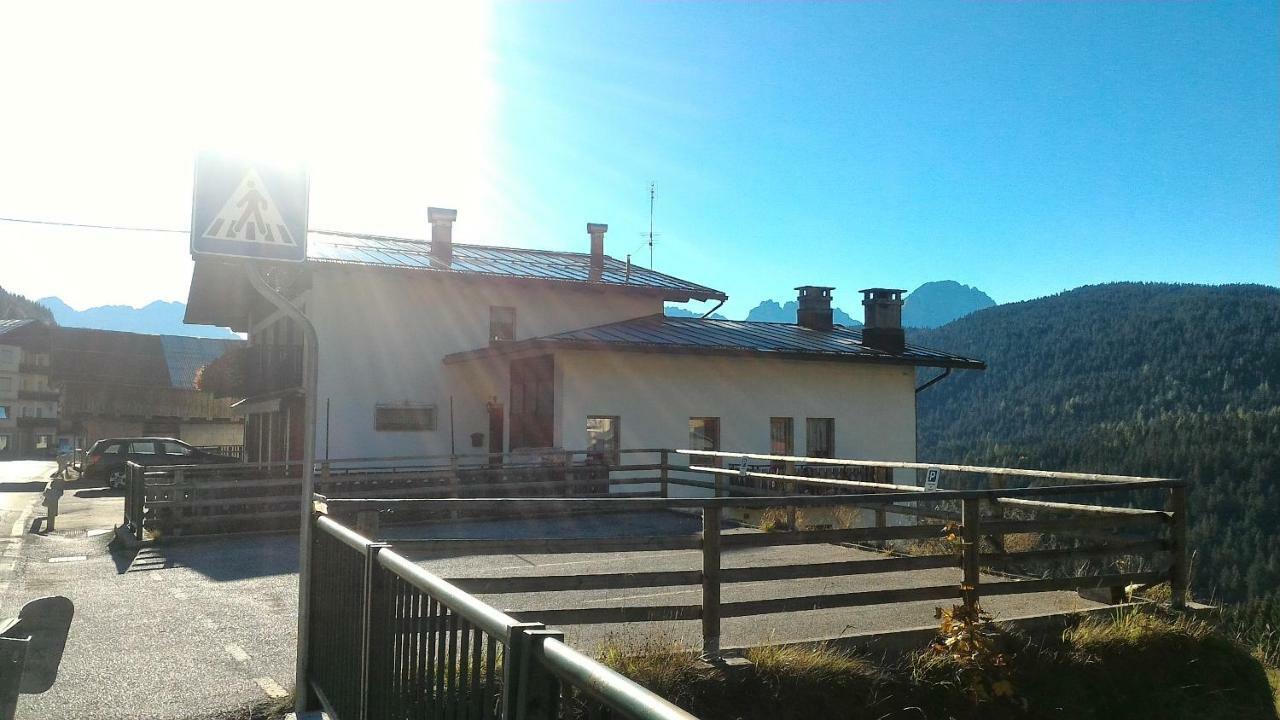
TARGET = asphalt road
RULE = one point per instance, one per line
(21, 483)
(202, 627)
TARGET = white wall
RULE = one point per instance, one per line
(655, 395)
(384, 333)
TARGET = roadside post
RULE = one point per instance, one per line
(52, 494)
(255, 213)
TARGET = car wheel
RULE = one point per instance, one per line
(117, 477)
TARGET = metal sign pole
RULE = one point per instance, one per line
(311, 377)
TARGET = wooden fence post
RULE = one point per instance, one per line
(970, 539)
(1178, 569)
(664, 473)
(711, 581)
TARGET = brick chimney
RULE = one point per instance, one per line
(814, 307)
(597, 231)
(882, 323)
(441, 220)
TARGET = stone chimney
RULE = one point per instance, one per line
(882, 324)
(814, 307)
(597, 231)
(441, 220)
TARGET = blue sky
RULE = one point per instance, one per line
(1023, 148)
(1020, 147)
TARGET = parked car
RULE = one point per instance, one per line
(106, 460)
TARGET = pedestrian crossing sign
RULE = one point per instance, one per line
(249, 209)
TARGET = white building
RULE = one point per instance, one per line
(432, 347)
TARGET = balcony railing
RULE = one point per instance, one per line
(39, 394)
(37, 421)
(41, 368)
(272, 368)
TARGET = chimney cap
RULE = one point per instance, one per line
(816, 287)
(441, 215)
(596, 228)
(881, 291)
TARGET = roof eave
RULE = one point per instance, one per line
(675, 295)
(536, 344)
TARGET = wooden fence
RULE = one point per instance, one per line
(215, 499)
(1153, 541)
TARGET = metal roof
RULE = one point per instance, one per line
(186, 355)
(382, 251)
(661, 333)
(7, 325)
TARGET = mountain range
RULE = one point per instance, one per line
(1147, 379)
(156, 318)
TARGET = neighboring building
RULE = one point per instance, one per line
(437, 348)
(29, 407)
(119, 384)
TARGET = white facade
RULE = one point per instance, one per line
(384, 336)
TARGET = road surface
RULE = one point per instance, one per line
(21, 482)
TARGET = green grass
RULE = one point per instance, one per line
(1135, 664)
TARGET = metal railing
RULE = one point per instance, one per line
(391, 640)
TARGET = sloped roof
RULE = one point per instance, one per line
(220, 293)
(186, 355)
(7, 325)
(661, 333)
(109, 357)
(384, 251)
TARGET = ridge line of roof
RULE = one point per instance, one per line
(427, 242)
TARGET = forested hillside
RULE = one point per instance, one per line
(16, 307)
(1151, 379)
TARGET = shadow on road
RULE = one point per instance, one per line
(219, 559)
(30, 486)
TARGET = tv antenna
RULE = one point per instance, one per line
(653, 193)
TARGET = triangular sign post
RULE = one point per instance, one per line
(249, 210)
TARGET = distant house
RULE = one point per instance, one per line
(437, 347)
(116, 384)
(28, 402)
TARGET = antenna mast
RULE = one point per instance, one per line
(652, 194)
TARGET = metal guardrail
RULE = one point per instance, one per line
(391, 640)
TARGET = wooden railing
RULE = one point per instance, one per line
(214, 499)
(1079, 523)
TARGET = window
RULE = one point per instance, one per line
(820, 437)
(173, 448)
(6, 383)
(604, 438)
(704, 434)
(4, 443)
(26, 411)
(113, 449)
(143, 447)
(408, 417)
(782, 440)
(44, 442)
(4, 412)
(502, 323)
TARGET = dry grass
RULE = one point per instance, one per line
(1135, 664)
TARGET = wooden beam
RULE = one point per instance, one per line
(838, 600)
(561, 583)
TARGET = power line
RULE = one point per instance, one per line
(91, 227)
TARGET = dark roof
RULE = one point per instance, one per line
(109, 357)
(186, 355)
(7, 325)
(383, 251)
(660, 333)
